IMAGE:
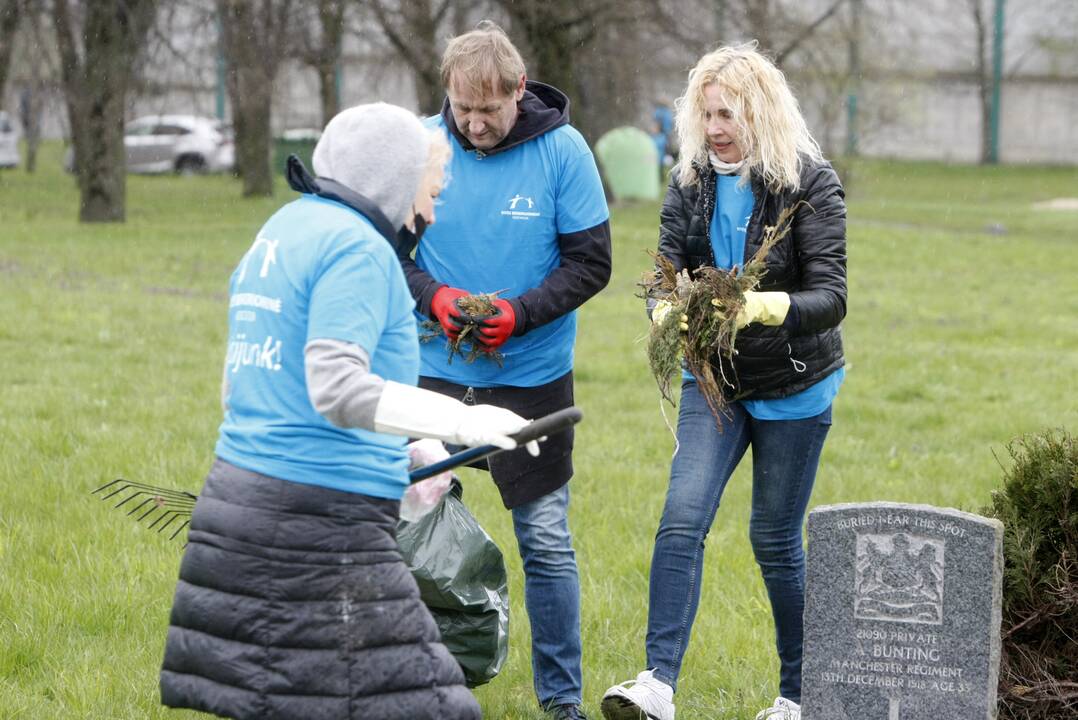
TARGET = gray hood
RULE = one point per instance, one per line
(377, 150)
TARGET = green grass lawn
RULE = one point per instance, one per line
(962, 334)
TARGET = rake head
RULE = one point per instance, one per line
(159, 507)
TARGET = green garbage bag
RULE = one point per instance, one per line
(462, 580)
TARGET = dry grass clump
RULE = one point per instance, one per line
(474, 309)
(703, 320)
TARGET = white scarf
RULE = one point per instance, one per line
(724, 168)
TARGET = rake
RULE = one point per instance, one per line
(161, 507)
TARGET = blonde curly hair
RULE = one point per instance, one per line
(771, 132)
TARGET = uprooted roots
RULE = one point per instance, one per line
(474, 310)
(702, 324)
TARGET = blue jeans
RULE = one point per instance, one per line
(552, 596)
(785, 455)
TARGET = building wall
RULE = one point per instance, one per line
(917, 99)
(940, 119)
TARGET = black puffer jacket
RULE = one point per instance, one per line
(294, 603)
(809, 264)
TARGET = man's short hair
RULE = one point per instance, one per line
(483, 60)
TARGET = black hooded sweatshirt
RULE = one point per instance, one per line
(585, 263)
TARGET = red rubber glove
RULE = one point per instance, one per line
(445, 311)
(496, 330)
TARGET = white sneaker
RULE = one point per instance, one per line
(642, 699)
(782, 709)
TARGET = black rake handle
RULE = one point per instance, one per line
(542, 428)
(161, 507)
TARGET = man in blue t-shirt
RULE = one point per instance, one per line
(525, 216)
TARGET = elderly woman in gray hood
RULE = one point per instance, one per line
(293, 600)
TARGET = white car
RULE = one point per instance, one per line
(184, 144)
(9, 142)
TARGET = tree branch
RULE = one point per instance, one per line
(806, 31)
(394, 36)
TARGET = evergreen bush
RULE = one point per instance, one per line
(1038, 505)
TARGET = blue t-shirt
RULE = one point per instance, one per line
(317, 269)
(729, 225)
(497, 230)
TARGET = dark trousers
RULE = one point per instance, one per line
(520, 477)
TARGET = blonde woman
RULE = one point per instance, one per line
(746, 154)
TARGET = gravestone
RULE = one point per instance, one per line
(630, 163)
(902, 613)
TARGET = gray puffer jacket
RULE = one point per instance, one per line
(809, 264)
(294, 603)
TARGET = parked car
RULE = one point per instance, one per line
(9, 142)
(184, 144)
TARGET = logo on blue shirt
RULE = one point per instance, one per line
(520, 214)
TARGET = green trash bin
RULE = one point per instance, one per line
(300, 141)
(630, 163)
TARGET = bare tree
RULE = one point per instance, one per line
(411, 27)
(40, 73)
(779, 26)
(255, 40)
(554, 30)
(10, 13)
(559, 38)
(614, 84)
(562, 35)
(1032, 32)
(321, 37)
(983, 70)
(99, 45)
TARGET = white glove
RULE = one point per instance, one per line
(414, 412)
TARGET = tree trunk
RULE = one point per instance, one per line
(102, 167)
(429, 93)
(984, 79)
(95, 88)
(554, 59)
(412, 30)
(10, 13)
(759, 18)
(553, 45)
(254, 41)
(31, 98)
(251, 106)
(327, 90)
(428, 80)
(327, 55)
(30, 118)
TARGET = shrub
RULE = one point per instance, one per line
(1038, 505)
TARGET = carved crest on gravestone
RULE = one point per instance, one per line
(899, 577)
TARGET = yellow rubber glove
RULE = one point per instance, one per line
(767, 308)
(660, 311)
